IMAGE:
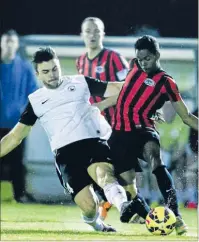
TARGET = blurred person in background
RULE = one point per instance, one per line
(106, 65)
(17, 81)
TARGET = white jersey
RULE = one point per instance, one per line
(66, 113)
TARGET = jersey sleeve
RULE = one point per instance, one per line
(172, 90)
(77, 64)
(120, 66)
(96, 87)
(28, 117)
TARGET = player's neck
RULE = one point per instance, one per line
(92, 53)
(155, 70)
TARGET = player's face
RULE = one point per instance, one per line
(92, 34)
(49, 72)
(9, 45)
(147, 60)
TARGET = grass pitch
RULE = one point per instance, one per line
(28, 222)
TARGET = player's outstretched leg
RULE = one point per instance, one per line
(166, 186)
(139, 205)
(88, 203)
(136, 206)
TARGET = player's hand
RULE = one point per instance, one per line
(158, 117)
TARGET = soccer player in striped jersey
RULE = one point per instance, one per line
(98, 61)
(106, 65)
(147, 87)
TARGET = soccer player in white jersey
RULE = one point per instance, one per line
(75, 129)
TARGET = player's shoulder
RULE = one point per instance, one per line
(36, 94)
(73, 78)
(168, 77)
(81, 57)
(112, 52)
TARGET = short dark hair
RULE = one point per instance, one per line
(43, 54)
(147, 42)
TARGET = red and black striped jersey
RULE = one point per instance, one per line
(141, 96)
(108, 65)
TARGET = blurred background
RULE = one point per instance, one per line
(173, 22)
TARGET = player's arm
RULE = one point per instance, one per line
(19, 132)
(113, 89)
(179, 105)
(120, 67)
(106, 103)
(187, 117)
(13, 138)
(103, 88)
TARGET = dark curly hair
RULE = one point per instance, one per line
(43, 54)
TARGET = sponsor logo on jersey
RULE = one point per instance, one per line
(149, 82)
(71, 88)
(99, 69)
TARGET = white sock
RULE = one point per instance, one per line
(115, 194)
(95, 222)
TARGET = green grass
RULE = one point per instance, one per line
(60, 222)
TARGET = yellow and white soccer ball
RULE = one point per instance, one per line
(160, 221)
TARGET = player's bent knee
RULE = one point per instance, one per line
(105, 174)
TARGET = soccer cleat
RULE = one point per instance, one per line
(180, 226)
(127, 212)
(136, 219)
(103, 210)
(108, 228)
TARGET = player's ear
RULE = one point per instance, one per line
(157, 55)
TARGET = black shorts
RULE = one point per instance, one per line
(73, 160)
(127, 147)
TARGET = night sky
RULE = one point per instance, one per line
(172, 18)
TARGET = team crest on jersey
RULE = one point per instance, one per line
(71, 88)
(149, 82)
(99, 69)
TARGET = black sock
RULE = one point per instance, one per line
(100, 192)
(166, 186)
(141, 207)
